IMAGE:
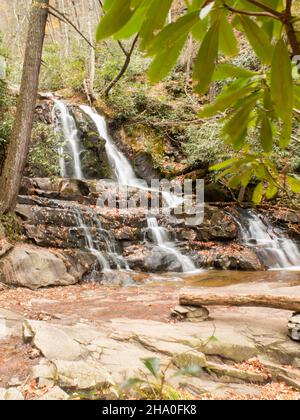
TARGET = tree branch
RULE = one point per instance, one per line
(289, 27)
(63, 18)
(244, 12)
(124, 68)
(264, 7)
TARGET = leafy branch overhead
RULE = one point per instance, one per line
(267, 100)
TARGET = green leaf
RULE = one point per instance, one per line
(266, 133)
(116, 17)
(297, 97)
(294, 184)
(155, 19)
(224, 164)
(206, 59)
(153, 365)
(282, 92)
(130, 383)
(246, 177)
(229, 96)
(285, 134)
(227, 41)
(135, 23)
(163, 63)
(258, 39)
(271, 191)
(235, 130)
(258, 194)
(170, 35)
(229, 71)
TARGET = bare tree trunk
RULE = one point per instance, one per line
(197, 298)
(92, 62)
(19, 143)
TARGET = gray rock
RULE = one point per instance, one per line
(33, 267)
(10, 324)
(190, 359)
(294, 327)
(13, 394)
(14, 382)
(55, 394)
(2, 394)
(190, 313)
(81, 375)
(53, 342)
(44, 373)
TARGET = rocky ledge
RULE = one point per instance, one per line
(54, 240)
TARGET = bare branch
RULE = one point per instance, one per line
(264, 7)
(248, 13)
(124, 68)
(63, 18)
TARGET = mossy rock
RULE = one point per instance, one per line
(11, 227)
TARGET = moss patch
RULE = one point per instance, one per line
(12, 227)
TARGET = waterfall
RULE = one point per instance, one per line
(125, 176)
(162, 240)
(119, 164)
(274, 249)
(63, 118)
(91, 244)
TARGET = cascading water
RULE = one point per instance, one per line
(274, 249)
(92, 241)
(125, 176)
(63, 119)
(91, 244)
(122, 168)
(162, 240)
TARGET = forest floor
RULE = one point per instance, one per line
(114, 328)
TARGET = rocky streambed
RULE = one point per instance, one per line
(62, 336)
(87, 340)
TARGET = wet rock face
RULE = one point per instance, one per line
(43, 111)
(144, 167)
(94, 160)
(49, 212)
(93, 157)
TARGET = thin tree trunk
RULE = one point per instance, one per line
(92, 52)
(19, 143)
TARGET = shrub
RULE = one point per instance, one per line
(43, 156)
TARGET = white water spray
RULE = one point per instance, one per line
(61, 113)
(275, 250)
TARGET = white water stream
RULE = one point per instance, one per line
(275, 250)
(64, 119)
(125, 176)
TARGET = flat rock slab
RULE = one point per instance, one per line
(10, 324)
(86, 357)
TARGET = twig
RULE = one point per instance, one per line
(258, 14)
(265, 7)
(63, 18)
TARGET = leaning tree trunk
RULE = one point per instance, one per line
(20, 139)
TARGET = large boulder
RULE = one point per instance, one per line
(34, 268)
